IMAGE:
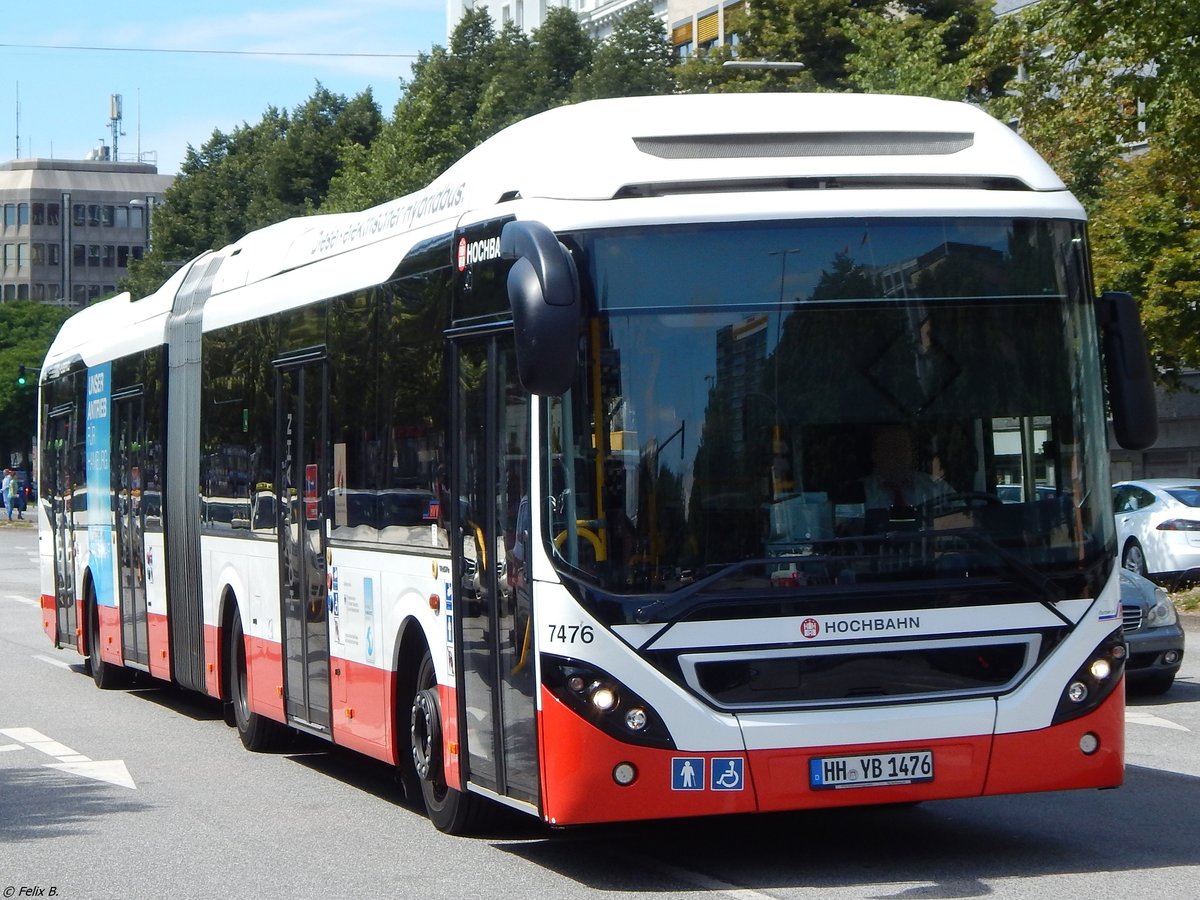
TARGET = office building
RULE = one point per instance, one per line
(70, 228)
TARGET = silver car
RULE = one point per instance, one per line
(1153, 634)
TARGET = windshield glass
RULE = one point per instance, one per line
(790, 405)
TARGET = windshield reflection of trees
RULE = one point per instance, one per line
(983, 362)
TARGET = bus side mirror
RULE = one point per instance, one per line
(1127, 370)
(543, 290)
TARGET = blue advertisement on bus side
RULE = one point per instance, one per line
(97, 444)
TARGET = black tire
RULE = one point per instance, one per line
(1133, 558)
(450, 810)
(258, 733)
(106, 675)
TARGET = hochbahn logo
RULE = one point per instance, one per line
(811, 628)
(477, 251)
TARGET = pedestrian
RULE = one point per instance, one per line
(9, 489)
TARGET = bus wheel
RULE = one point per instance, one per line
(257, 732)
(450, 810)
(106, 675)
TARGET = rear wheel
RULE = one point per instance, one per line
(257, 732)
(451, 810)
(106, 675)
(1134, 558)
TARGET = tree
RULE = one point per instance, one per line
(255, 176)
(1146, 240)
(635, 61)
(821, 33)
(26, 330)
(432, 125)
(907, 54)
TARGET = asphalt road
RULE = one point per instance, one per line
(146, 793)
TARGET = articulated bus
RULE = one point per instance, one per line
(551, 484)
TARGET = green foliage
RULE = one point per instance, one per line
(825, 34)
(1146, 240)
(257, 175)
(26, 330)
(909, 54)
(635, 61)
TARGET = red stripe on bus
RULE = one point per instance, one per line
(264, 678)
(158, 637)
(110, 634)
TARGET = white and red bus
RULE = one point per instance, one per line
(551, 484)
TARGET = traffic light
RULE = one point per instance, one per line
(21, 376)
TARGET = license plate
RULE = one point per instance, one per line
(870, 770)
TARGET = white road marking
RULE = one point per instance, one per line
(53, 661)
(112, 771)
(1137, 717)
(19, 599)
(6, 748)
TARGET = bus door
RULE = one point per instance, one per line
(130, 423)
(301, 484)
(497, 699)
(59, 444)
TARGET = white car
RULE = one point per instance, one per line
(1158, 526)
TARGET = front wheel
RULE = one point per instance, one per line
(451, 810)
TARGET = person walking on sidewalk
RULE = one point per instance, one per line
(10, 488)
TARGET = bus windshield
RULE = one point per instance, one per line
(816, 406)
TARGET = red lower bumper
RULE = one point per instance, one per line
(578, 785)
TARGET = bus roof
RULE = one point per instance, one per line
(643, 147)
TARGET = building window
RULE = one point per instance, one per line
(39, 291)
(10, 292)
(10, 215)
(93, 292)
(122, 257)
(52, 251)
(137, 217)
(93, 258)
(10, 255)
(38, 213)
(22, 255)
(93, 211)
(80, 214)
(22, 213)
(52, 210)
(22, 291)
(79, 255)
(110, 256)
(137, 251)
(79, 294)
(106, 216)
(122, 217)
(38, 254)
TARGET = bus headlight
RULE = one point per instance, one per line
(1094, 680)
(599, 698)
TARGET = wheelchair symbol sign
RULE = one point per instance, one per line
(727, 773)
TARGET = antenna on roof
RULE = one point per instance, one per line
(114, 123)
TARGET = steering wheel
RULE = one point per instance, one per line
(969, 499)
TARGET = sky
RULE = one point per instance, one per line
(62, 62)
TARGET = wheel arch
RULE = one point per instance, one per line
(411, 645)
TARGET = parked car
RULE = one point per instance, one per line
(1158, 527)
(1153, 633)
